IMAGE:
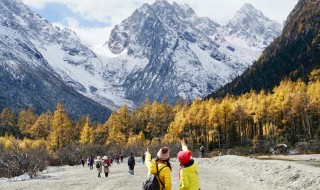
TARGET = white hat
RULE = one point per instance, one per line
(98, 157)
(105, 158)
(163, 153)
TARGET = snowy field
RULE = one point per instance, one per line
(219, 173)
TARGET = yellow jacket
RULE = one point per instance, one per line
(164, 175)
(189, 178)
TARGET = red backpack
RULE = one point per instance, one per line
(107, 162)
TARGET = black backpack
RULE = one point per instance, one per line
(98, 165)
(152, 183)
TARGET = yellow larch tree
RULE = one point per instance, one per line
(86, 135)
(26, 119)
(61, 129)
(40, 129)
(7, 118)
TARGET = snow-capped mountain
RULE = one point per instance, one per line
(252, 27)
(161, 51)
(166, 50)
(38, 60)
(62, 52)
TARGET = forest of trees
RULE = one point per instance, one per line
(289, 114)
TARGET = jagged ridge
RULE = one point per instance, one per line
(293, 55)
(27, 78)
(183, 55)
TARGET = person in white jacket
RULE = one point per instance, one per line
(98, 164)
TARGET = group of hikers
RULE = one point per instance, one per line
(159, 169)
(101, 163)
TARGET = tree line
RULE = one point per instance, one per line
(289, 114)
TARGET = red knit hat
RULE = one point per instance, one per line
(184, 157)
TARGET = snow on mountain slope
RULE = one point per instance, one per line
(63, 52)
(27, 78)
(161, 51)
(187, 56)
(253, 28)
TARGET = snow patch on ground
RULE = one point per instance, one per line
(23, 177)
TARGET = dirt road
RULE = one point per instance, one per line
(79, 178)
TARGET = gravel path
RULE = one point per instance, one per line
(79, 178)
(219, 173)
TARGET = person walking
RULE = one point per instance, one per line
(162, 166)
(188, 175)
(143, 158)
(106, 165)
(98, 164)
(91, 162)
(117, 159)
(82, 161)
(121, 155)
(131, 164)
(202, 151)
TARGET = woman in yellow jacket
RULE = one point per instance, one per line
(164, 167)
(188, 176)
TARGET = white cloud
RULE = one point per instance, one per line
(114, 11)
(90, 36)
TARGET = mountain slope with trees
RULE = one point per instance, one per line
(293, 55)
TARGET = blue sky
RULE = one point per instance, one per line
(58, 13)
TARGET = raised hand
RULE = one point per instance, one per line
(184, 146)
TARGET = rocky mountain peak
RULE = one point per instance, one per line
(162, 3)
(251, 25)
(171, 52)
(163, 50)
(249, 8)
(47, 64)
(247, 16)
(291, 56)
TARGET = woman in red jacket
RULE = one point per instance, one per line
(106, 165)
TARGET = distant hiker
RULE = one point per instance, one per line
(131, 164)
(161, 168)
(143, 158)
(82, 161)
(202, 151)
(106, 165)
(98, 164)
(88, 161)
(117, 159)
(121, 155)
(188, 175)
(111, 160)
(91, 161)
